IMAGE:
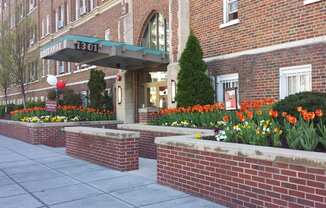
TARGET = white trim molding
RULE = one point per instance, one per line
(230, 23)
(293, 44)
(305, 2)
(48, 88)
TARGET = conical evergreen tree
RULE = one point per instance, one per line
(194, 85)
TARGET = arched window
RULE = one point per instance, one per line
(156, 34)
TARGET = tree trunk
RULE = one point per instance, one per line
(6, 100)
(22, 88)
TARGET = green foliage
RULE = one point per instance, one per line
(309, 138)
(52, 95)
(193, 120)
(96, 87)
(308, 100)
(107, 102)
(322, 131)
(71, 98)
(193, 85)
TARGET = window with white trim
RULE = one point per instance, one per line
(294, 80)
(60, 67)
(83, 7)
(223, 82)
(107, 34)
(60, 17)
(230, 10)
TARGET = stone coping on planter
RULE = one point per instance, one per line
(148, 110)
(58, 124)
(273, 154)
(167, 129)
(105, 133)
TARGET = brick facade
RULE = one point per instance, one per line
(120, 154)
(239, 181)
(50, 135)
(259, 75)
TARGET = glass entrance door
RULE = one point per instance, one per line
(156, 94)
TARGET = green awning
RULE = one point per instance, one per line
(99, 52)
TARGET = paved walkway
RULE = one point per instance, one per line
(39, 176)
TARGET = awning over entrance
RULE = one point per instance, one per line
(99, 52)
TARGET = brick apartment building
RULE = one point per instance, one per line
(265, 48)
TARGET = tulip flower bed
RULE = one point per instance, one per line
(63, 114)
(257, 123)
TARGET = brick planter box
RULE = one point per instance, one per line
(50, 134)
(237, 175)
(148, 133)
(112, 148)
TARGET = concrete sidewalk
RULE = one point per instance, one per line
(39, 176)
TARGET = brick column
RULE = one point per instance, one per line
(146, 115)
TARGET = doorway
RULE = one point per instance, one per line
(156, 94)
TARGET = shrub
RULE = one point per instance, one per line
(71, 98)
(307, 100)
(52, 95)
(194, 87)
(96, 87)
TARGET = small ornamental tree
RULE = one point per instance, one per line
(96, 86)
(194, 85)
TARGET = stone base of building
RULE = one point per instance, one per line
(237, 175)
(112, 148)
(49, 134)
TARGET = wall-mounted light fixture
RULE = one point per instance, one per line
(173, 90)
(119, 95)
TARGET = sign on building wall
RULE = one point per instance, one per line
(230, 98)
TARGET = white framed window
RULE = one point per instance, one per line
(42, 28)
(230, 13)
(223, 82)
(47, 30)
(60, 17)
(305, 2)
(83, 7)
(60, 67)
(295, 79)
(107, 34)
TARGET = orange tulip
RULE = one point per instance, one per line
(250, 115)
(319, 113)
(284, 114)
(226, 118)
(273, 114)
(291, 119)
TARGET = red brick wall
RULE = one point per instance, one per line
(236, 181)
(146, 117)
(147, 147)
(259, 74)
(50, 136)
(262, 23)
(114, 153)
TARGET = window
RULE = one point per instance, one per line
(294, 80)
(83, 7)
(107, 35)
(45, 26)
(60, 17)
(156, 34)
(223, 82)
(230, 13)
(60, 67)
